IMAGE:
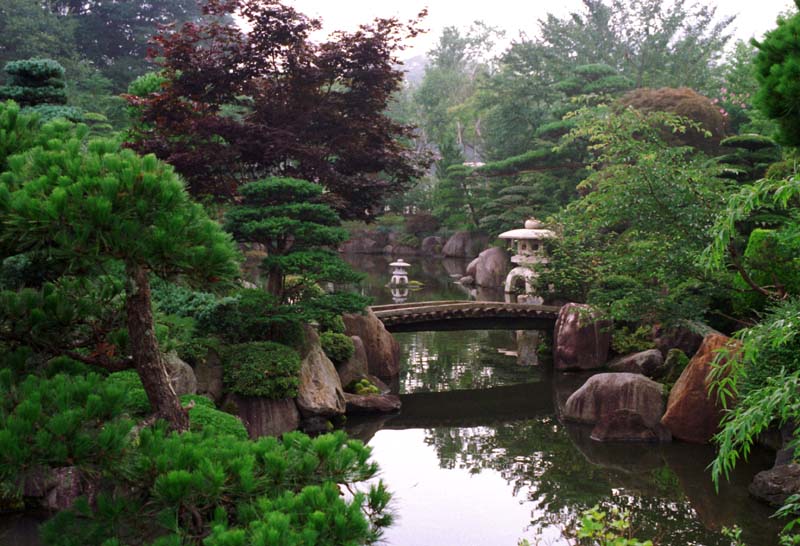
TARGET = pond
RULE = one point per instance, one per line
(478, 455)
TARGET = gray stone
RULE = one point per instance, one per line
(356, 367)
(492, 268)
(209, 373)
(320, 392)
(58, 488)
(467, 280)
(432, 245)
(181, 375)
(624, 425)
(472, 267)
(581, 338)
(371, 403)
(649, 363)
(776, 484)
(686, 336)
(605, 393)
(264, 417)
(464, 244)
(383, 351)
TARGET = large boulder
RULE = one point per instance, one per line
(693, 415)
(686, 336)
(492, 268)
(383, 351)
(356, 366)
(464, 244)
(209, 372)
(371, 403)
(649, 363)
(581, 338)
(472, 267)
(605, 393)
(776, 484)
(320, 393)
(58, 488)
(264, 417)
(432, 245)
(625, 425)
(181, 375)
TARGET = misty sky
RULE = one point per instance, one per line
(753, 17)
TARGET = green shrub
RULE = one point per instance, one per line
(422, 223)
(363, 386)
(338, 347)
(263, 369)
(233, 492)
(624, 341)
(769, 259)
(252, 315)
(136, 402)
(207, 418)
(409, 240)
(175, 299)
(60, 421)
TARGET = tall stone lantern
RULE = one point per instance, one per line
(530, 253)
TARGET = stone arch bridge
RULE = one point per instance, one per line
(465, 315)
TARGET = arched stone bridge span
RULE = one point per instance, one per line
(465, 315)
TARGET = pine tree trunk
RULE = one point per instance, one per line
(275, 283)
(144, 346)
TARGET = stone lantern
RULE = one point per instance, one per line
(399, 272)
(530, 252)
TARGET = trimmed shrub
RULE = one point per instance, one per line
(136, 402)
(626, 341)
(206, 418)
(263, 369)
(252, 315)
(338, 347)
(363, 386)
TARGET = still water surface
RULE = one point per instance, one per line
(478, 455)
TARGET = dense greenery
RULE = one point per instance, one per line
(262, 369)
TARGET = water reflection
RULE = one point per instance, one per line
(479, 456)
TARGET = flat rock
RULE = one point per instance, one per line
(605, 393)
(692, 414)
(371, 403)
(776, 484)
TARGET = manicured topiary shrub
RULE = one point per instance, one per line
(263, 369)
(338, 347)
(35, 81)
(363, 386)
(251, 315)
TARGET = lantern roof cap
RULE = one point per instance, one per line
(527, 234)
(400, 263)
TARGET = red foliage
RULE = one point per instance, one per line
(239, 106)
(683, 102)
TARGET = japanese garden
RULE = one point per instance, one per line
(266, 282)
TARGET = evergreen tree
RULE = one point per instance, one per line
(39, 86)
(300, 235)
(96, 208)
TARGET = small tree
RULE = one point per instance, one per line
(94, 206)
(38, 85)
(300, 235)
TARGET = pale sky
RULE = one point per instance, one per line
(753, 17)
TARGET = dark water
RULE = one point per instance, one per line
(478, 455)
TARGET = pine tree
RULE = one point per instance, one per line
(300, 234)
(95, 208)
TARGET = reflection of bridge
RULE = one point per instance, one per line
(465, 315)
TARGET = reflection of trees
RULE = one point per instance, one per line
(441, 361)
(538, 458)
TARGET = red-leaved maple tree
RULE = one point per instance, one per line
(248, 94)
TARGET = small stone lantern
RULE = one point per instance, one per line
(399, 272)
(530, 252)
